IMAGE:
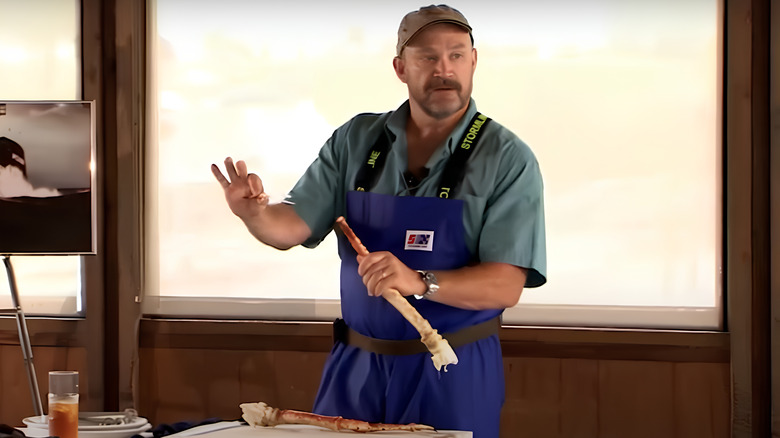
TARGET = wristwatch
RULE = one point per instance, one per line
(430, 280)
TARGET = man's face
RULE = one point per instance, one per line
(438, 68)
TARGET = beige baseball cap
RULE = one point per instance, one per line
(416, 21)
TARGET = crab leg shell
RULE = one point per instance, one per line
(260, 414)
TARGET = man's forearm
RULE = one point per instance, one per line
(479, 287)
(279, 226)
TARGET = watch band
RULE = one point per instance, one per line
(431, 282)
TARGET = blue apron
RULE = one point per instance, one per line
(375, 387)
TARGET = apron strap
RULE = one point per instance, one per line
(456, 165)
(453, 171)
(374, 163)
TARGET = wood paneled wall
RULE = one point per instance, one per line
(563, 383)
(546, 397)
(551, 397)
(57, 344)
(196, 384)
(15, 399)
(557, 386)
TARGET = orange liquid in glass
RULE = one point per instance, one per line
(64, 420)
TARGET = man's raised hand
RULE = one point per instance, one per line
(243, 191)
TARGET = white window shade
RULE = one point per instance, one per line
(620, 101)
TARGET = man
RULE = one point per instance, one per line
(450, 206)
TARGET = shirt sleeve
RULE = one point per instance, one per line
(513, 224)
(317, 197)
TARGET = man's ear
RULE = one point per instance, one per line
(400, 68)
(474, 61)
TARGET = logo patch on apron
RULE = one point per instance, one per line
(417, 240)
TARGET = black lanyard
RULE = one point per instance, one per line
(453, 171)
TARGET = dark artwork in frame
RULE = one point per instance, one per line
(47, 178)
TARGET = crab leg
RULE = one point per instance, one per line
(260, 414)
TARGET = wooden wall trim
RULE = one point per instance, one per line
(665, 346)
(130, 40)
(747, 213)
(45, 332)
(606, 344)
(124, 94)
(774, 139)
(235, 335)
(92, 76)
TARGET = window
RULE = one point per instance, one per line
(620, 101)
(40, 60)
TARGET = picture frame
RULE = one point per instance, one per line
(47, 177)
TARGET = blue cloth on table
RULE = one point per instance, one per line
(7, 431)
(164, 429)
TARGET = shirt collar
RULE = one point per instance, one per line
(396, 124)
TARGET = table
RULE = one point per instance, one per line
(234, 429)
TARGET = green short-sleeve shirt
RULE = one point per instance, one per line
(502, 188)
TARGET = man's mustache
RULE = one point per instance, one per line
(437, 83)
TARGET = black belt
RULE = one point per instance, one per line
(342, 332)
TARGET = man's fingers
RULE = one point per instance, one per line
(235, 173)
(372, 264)
(231, 169)
(241, 168)
(218, 175)
(255, 184)
(263, 199)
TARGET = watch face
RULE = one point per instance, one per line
(433, 284)
(430, 281)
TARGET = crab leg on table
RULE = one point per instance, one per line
(442, 352)
(260, 414)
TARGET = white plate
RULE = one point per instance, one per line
(38, 432)
(84, 425)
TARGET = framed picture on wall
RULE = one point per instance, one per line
(47, 177)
